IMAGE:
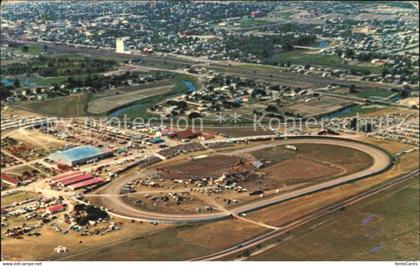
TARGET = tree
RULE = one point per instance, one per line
(352, 89)
(16, 83)
(385, 72)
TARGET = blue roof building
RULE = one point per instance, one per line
(79, 155)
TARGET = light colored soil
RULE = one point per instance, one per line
(37, 139)
(214, 166)
(186, 207)
(105, 104)
(42, 247)
(300, 169)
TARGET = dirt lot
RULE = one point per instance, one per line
(105, 104)
(291, 171)
(42, 247)
(215, 166)
(311, 162)
(316, 107)
(189, 205)
(37, 139)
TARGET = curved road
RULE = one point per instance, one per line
(117, 207)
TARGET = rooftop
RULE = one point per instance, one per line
(77, 153)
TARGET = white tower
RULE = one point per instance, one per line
(120, 46)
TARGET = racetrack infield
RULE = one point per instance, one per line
(310, 163)
(382, 161)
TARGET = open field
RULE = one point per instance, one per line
(301, 57)
(390, 146)
(189, 205)
(320, 161)
(282, 213)
(48, 81)
(239, 131)
(316, 108)
(68, 106)
(23, 172)
(17, 197)
(367, 93)
(42, 247)
(37, 139)
(105, 104)
(148, 85)
(359, 109)
(251, 22)
(381, 162)
(385, 227)
(215, 166)
(291, 171)
(179, 243)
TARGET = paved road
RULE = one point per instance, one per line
(119, 208)
(171, 63)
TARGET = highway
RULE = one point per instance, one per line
(119, 208)
(171, 63)
(243, 246)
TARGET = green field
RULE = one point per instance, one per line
(358, 109)
(284, 14)
(251, 22)
(374, 93)
(302, 58)
(32, 50)
(385, 227)
(66, 106)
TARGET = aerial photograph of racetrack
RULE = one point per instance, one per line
(210, 131)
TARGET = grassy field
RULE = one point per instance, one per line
(18, 197)
(179, 243)
(385, 227)
(302, 58)
(284, 14)
(359, 109)
(374, 93)
(251, 22)
(67, 106)
(107, 103)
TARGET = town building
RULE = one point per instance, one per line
(79, 155)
